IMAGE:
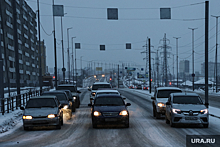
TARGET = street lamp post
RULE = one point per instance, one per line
(81, 68)
(68, 51)
(73, 59)
(177, 58)
(63, 69)
(216, 54)
(193, 75)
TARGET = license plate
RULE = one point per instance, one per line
(190, 118)
(110, 119)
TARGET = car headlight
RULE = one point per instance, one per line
(74, 97)
(176, 110)
(160, 105)
(124, 112)
(93, 94)
(27, 117)
(96, 113)
(51, 115)
(204, 111)
(65, 107)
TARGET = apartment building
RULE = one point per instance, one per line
(27, 43)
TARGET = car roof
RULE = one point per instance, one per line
(184, 94)
(168, 88)
(44, 97)
(108, 95)
(67, 85)
(55, 91)
(100, 83)
(107, 90)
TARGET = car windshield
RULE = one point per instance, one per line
(97, 86)
(71, 88)
(60, 96)
(166, 93)
(187, 100)
(38, 103)
(109, 101)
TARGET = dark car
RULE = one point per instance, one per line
(74, 91)
(139, 87)
(69, 94)
(109, 109)
(42, 111)
(63, 99)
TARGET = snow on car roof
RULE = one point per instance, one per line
(106, 90)
(168, 88)
(101, 83)
(184, 94)
(43, 97)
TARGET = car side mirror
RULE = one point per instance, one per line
(78, 91)
(128, 104)
(153, 98)
(22, 108)
(60, 106)
(168, 103)
(124, 98)
(90, 105)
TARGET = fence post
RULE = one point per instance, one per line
(3, 106)
(8, 104)
(23, 100)
(12, 103)
(16, 101)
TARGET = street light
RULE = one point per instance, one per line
(68, 51)
(177, 59)
(81, 68)
(73, 60)
(63, 69)
(193, 74)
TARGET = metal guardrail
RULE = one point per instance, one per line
(15, 102)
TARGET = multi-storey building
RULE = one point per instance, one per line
(184, 69)
(211, 70)
(27, 38)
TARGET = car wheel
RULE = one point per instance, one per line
(171, 123)
(62, 122)
(167, 121)
(94, 125)
(127, 124)
(73, 108)
(154, 112)
(26, 128)
(59, 125)
(205, 125)
(157, 114)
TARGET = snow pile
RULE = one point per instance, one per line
(9, 120)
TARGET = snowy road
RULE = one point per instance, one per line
(144, 129)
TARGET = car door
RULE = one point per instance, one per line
(168, 109)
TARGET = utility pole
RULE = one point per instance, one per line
(1, 70)
(177, 60)
(63, 69)
(157, 63)
(39, 48)
(55, 50)
(206, 51)
(16, 51)
(216, 54)
(149, 64)
(73, 60)
(68, 52)
(193, 74)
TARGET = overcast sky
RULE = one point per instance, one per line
(138, 19)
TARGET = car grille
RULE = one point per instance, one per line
(190, 113)
(109, 114)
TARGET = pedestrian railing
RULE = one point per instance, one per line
(12, 103)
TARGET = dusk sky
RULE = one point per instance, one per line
(137, 20)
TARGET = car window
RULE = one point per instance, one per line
(71, 88)
(166, 93)
(97, 86)
(115, 101)
(38, 103)
(60, 96)
(187, 100)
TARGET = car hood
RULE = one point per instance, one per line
(162, 100)
(187, 107)
(109, 108)
(40, 111)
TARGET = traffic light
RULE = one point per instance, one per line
(110, 79)
(170, 83)
(151, 80)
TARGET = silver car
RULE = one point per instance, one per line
(42, 111)
(186, 108)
